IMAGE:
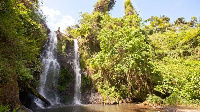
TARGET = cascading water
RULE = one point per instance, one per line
(50, 72)
(77, 92)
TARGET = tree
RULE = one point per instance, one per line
(23, 32)
(159, 24)
(104, 5)
(116, 52)
(193, 22)
(129, 9)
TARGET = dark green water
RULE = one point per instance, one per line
(101, 108)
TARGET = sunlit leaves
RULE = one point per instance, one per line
(104, 5)
(129, 9)
(22, 35)
(176, 57)
(123, 57)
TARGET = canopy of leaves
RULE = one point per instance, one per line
(104, 5)
(128, 59)
(177, 56)
(23, 32)
(117, 53)
(128, 7)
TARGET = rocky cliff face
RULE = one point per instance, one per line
(67, 75)
(66, 63)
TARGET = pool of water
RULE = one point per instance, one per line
(100, 108)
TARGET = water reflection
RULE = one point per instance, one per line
(65, 109)
(101, 108)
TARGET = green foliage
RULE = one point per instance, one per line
(123, 59)
(86, 83)
(158, 24)
(129, 60)
(24, 72)
(61, 47)
(4, 108)
(153, 99)
(176, 56)
(129, 9)
(23, 32)
(65, 78)
(62, 43)
(116, 52)
(108, 92)
(21, 36)
(82, 64)
(85, 80)
(90, 26)
(180, 79)
(104, 5)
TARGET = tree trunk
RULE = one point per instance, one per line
(34, 91)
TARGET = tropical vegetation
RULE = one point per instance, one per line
(128, 57)
(23, 32)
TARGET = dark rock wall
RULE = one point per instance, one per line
(66, 62)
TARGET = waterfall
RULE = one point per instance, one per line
(77, 92)
(50, 72)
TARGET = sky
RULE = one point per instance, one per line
(64, 13)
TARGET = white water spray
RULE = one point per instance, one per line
(77, 70)
(49, 76)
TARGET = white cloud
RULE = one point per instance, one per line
(56, 19)
(51, 13)
(65, 22)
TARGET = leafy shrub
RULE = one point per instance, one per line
(4, 108)
(65, 78)
(176, 58)
(153, 99)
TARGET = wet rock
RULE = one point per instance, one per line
(96, 98)
(88, 94)
(66, 62)
(24, 109)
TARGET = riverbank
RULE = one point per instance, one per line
(180, 109)
(175, 108)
